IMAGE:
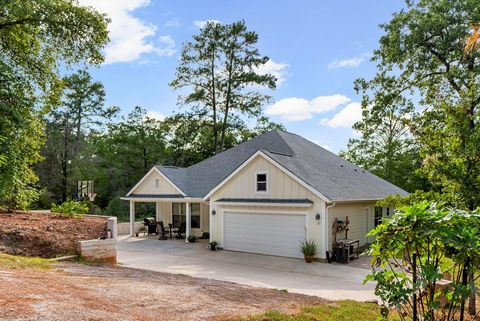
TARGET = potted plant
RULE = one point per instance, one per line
(192, 239)
(213, 245)
(309, 249)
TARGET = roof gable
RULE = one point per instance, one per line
(146, 184)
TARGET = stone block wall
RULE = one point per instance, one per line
(124, 228)
(101, 250)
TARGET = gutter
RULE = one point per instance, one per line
(327, 236)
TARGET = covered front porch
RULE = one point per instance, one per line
(177, 210)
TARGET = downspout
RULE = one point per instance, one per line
(327, 234)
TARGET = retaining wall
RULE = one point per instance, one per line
(124, 228)
(102, 250)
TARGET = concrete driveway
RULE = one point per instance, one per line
(334, 282)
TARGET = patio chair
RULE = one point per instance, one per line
(181, 230)
(163, 233)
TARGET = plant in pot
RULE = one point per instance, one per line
(192, 239)
(213, 245)
(309, 249)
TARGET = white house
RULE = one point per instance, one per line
(266, 196)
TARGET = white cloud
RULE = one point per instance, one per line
(348, 63)
(295, 109)
(201, 23)
(346, 117)
(128, 34)
(276, 69)
(155, 115)
(168, 46)
(174, 22)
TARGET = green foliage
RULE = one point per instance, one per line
(8, 261)
(397, 201)
(68, 156)
(36, 37)
(219, 70)
(386, 146)
(334, 311)
(70, 208)
(20, 140)
(422, 60)
(213, 243)
(308, 248)
(415, 249)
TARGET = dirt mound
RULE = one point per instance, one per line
(46, 235)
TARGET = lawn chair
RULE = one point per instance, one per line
(163, 233)
(181, 230)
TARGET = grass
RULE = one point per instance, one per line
(22, 262)
(335, 311)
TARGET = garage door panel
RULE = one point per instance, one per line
(273, 234)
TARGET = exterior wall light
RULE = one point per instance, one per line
(317, 217)
(214, 212)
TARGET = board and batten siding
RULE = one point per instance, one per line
(148, 185)
(164, 213)
(360, 221)
(280, 186)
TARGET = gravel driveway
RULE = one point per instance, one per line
(82, 292)
(334, 282)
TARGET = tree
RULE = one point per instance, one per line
(415, 251)
(36, 36)
(424, 48)
(20, 140)
(219, 69)
(82, 111)
(386, 146)
(125, 153)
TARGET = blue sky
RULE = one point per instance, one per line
(317, 49)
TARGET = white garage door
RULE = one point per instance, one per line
(273, 234)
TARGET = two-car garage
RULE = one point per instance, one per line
(272, 233)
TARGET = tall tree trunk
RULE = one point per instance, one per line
(79, 127)
(224, 128)
(227, 100)
(65, 161)
(214, 105)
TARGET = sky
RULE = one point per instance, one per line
(317, 49)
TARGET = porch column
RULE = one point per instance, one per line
(132, 218)
(188, 221)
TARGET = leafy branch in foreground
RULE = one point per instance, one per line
(422, 259)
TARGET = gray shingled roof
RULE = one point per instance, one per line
(332, 176)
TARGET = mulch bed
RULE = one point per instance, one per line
(46, 235)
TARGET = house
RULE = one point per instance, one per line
(266, 196)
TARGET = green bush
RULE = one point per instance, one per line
(425, 259)
(70, 208)
(308, 248)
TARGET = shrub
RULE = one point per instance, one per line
(70, 208)
(308, 248)
(192, 239)
(414, 253)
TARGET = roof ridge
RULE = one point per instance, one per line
(279, 134)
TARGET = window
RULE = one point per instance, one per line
(378, 216)
(388, 211)
(261, 182)
(157, 183)
(179, 213)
